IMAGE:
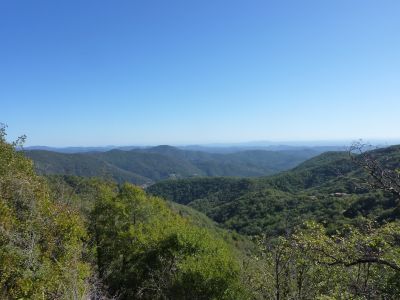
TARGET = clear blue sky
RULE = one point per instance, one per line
(155, 72)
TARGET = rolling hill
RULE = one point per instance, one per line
(144, 166)
(329, 188)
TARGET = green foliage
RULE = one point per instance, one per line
(185, 191)
(145, 250)
(142, 247)
(242, 244)
(356, 263)
(40, 239)
(329, 188)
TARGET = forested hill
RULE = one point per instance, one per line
(329, 188)
(149, 165)
(69, 237)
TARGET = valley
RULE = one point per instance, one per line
(145, 166)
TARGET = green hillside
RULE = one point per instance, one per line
(83, 192)
(146, 166)
(320, 235)
(327, 188)
(78, 238)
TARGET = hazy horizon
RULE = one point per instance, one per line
(243, 144)
(12, 135)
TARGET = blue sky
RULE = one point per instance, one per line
(176, 72)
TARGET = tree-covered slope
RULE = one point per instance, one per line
(82, 192)
(328, 188)
(70, 237)
(78, 238)
(47, 162)
(149, 165)
(41, 238)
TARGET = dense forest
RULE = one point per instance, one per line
(332, 188)
(144, 166)
(326, 229)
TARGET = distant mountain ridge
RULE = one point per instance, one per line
(211, 148)
(145, 166)
(80, 149)
(328, 145)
